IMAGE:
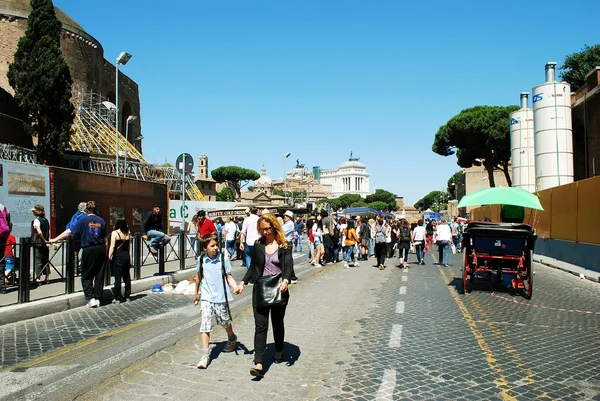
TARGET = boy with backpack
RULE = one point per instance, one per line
(213, 271)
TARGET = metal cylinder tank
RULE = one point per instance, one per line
(553, 132)
(522, 146)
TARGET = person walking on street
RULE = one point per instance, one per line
(380, 247)
(249, 236)
(404, 240)
(92, 231)
(229, 233)
(211, 274)
(289, 227)
(152, 228)
(299, 234)
(365, 237)
(418, 239)
(272, 256)
(444, 238)
(327, 236)
(118, 254)
(350, 241)
(5, 229)
(40, 233)
(193, 232)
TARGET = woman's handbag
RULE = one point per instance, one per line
(266, 291)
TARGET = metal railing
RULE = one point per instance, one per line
(65, 261)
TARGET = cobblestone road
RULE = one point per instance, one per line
(364, 334)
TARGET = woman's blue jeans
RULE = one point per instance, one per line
(230, 246)
(349, 253)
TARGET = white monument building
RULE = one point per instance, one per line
(350, 177)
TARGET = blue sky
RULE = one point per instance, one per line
(247, 81)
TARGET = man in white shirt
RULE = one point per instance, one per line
(230, 231)
(289, 227)
(444, 237)
(249, 236)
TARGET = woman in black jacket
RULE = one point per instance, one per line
(271, 256)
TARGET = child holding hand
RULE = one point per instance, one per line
(214, 296)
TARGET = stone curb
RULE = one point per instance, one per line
(567, 267)
(60, 303)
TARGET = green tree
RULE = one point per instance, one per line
(384, 196)
(577, 65)
(429, 200)
(42, 83)
(478, 134)
(359, 204)
(379, 205)
(347, 200)
(454, 182)
(236, 177)
(226, 195)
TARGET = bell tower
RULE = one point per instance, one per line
(203, 166)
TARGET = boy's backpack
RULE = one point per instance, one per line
(405, 234)
(3, 223)
(379, 234)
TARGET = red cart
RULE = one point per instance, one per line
(500, 249)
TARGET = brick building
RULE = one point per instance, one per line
(586, 127)
(90, 71)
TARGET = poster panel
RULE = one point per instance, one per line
(22, 186)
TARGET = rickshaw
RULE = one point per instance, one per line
(503, 249)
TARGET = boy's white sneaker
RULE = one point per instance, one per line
(92, 303)
(204, 362)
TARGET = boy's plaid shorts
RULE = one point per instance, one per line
(210, 309)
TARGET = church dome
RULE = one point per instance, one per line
(22, 8)
(263, 179)
(353, 164)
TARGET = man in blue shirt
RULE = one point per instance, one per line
(91, 230)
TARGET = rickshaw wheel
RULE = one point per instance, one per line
(465, 269)
(529, 291)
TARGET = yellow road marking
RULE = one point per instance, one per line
(501, 381)
(74, 347)
(511, 351)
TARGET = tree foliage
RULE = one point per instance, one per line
(344, 201)
(577, 65)
(381, 195)
(42, 83)
(480, 132)
(379, 205)
(236, 177)
(452, 181)
(432, 199)
(226, 195)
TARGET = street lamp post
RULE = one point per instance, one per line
(129, 120)
(122, 59)
(285, 178)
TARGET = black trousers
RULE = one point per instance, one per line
(389, 249)
(403, 248)
(121, 265)
(92, 271)
(261, 327)
(41, 254)
(328, 245)
(380, 249)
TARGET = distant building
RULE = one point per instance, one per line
(350, 177)
(476, 178)
(264, 184)
(206, 184)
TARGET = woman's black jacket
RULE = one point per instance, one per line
(257, 267)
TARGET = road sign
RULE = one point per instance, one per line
(189, 163)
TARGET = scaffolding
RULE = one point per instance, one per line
(93, 147)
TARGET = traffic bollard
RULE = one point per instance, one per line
(182, 240)
(71, 260)
(161, 260)
(24, 262)
(137, 256)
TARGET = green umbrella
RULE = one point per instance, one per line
(501, 196)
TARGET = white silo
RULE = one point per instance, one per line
(522, 146)
(553, 132)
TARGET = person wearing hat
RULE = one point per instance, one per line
(40, 233)
(289, 227)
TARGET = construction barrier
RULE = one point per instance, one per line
(571, 212)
